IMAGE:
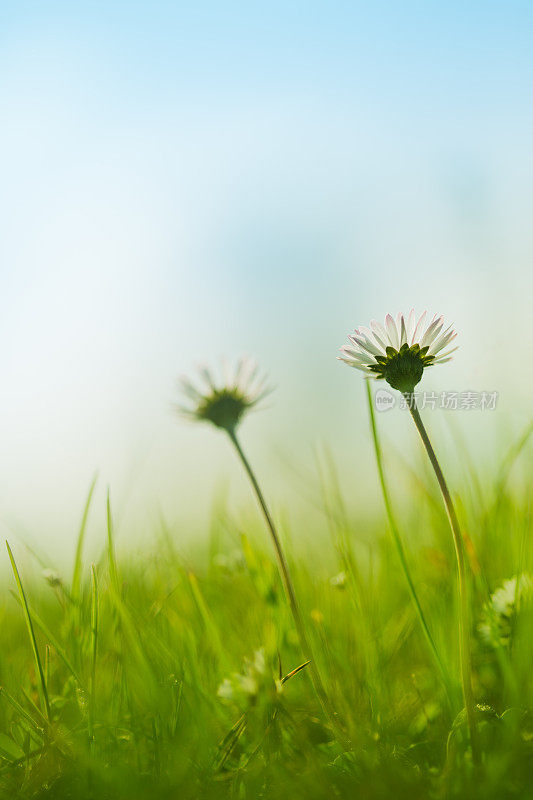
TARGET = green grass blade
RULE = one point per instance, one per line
(76, 574)
(512, 455)
(205, 615)
(293, 672)
(60, 650)
(23, 714)
(43, 691)
(112, 561)
(94, 645)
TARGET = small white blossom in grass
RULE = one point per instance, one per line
(399, 351)
(244, 687)
(225, 402)
(339, 581)
(230, 563)
(500, 612)
(256, 681)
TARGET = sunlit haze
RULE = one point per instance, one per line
(186, 181)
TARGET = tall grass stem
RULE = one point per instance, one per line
(400, 548)
(42, 687)
(76, 575)
(288, 586)
(94, 647)
(464, 615)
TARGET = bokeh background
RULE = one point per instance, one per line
(182, 181)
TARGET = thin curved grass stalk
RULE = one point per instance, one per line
(464, 615)
(60, 650)
(207, 619)
(94, 648)
(43, 691)
(288, 587)
(76, 573)
(342, 534)
(22, 713)
(401, 552)
(112, 560)
(512, 455)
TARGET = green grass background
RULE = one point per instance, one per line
(111, 673)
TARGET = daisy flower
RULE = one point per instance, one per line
(500, 613)
(399, 351)
(224, 403)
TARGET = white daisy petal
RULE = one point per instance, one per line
(250, 375)
(432, 332)
(243, 372)
(399, 316)
(410, 325)
(380, 334)
(366, 344)
(403, 331)
(422, 332)
(444, 356)
(392, 332)
(444, 333)
(363, 358)
(357, 346)
(208, 378)
(354, 364)
(419, 327)
(371, 336)
(366, 332)
(441, 343)
(188, 389)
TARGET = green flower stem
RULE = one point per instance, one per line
(464, 618)
(400, 549)
(288, 586)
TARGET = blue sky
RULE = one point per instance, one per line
(181, 181)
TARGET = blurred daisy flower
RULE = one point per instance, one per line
(501, 610)
(255, 681)
(244, 687)
(399, 351)
(339, 581)
(225, 402)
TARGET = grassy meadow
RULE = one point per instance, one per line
(162, 676)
